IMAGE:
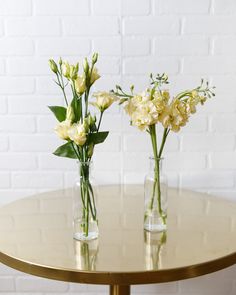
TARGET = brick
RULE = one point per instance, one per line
(225, 45)
(197, 123)
(205, 285)
(208, 142)
(136, 46)
(14, 7)
(185, 161)
(44, 180)
(4, 143)
(184, 6)
(54, 7)
(46, 124)
(5, 180)
(224, 124)
(52, 162)
(2, 68)
(101, 163)
(3, 105)
(106, 7)
(210, 25)
(28, 66)
(111, 144)
(130, 7)
(107, 46)
(226, 7)
(35, 104)
(7, 284)
(145, 65)
(37, 26)
(34, 143)
(223, 160)
(19, 161)
(13, 85)
(108, 65)
(207, 179)
(209, 65)
(182, 46)
(85, 26)
(16, 46)
(17, 124)
(62, 46)
(130, 162)
(149, 26)
(31, 284)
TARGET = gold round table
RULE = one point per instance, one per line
(36, 237)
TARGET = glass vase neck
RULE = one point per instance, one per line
(154, 162)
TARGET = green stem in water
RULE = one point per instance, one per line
(156, 184)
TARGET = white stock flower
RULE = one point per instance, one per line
(77, 133)
(103, 100)
(62, 129)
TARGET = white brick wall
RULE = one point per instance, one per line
(188, 39)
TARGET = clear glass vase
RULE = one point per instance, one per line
(155, 186)
(84, 205)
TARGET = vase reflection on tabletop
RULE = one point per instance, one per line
(86, 254)
(154, 243)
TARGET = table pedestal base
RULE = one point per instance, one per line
(119, 290)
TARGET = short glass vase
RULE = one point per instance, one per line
(85, 220)
(155, 197)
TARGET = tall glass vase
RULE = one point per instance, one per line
(84, 208)
(155, 186)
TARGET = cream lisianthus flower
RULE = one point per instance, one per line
(94, 76)
(62, 129)
(77, 133)
(80, 84)
(103, 100)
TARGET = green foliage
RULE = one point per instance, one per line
(97, 137)
(66, 150)
(59, 112)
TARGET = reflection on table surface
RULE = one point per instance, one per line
(39, 230)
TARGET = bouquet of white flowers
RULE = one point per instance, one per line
(154, 107)
(79, 128)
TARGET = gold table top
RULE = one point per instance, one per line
(36, 237)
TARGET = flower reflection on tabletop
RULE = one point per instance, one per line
(155, 107)
(81, 131)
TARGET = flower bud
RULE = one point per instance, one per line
(70, 116)
(53, 65)
(91, 120)
(94, 76)
(90, 149)
(95, 58)
(86, 66)
(80, 85)
(65, 69)
(60, 61)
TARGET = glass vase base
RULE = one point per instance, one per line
(83, 237)
(155, 227)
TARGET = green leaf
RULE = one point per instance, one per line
(66, 150)
(59, 112)
(97, 137)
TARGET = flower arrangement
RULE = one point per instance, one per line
(78, 127)
(154, 107)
